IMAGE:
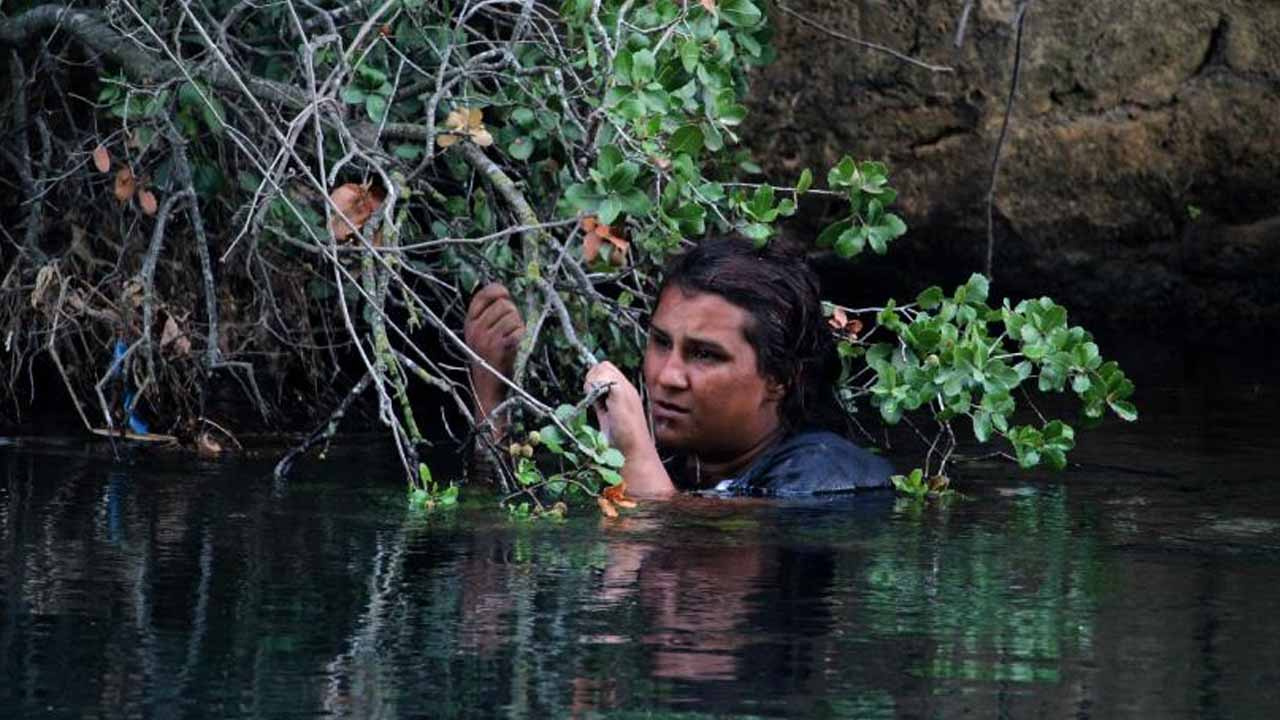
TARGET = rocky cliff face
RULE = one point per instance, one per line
(1140, 182)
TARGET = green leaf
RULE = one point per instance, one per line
(827, 238)
(613, 458)
(930, 298)
(520, 148)
(593, 58)
(551, 437)
(610, 209)
(740, 13)
(851, 242)
(896, 226)
(449, 497)
(690, 55)
(982, 426)
(523, 116)
(976, 289)
(643, 64)
(758, 232)
(805, 182)
(687, 139)
(424, 474)
(878, 238)
(353, 95)
(408, 151)
(1125, 409)
(609, 159)
(376, 107)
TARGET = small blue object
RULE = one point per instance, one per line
(135, 423)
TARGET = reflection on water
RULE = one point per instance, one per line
(1142, 584)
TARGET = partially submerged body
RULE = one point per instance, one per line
(739, 368)
(809, 462)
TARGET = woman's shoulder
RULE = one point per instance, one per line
(812, 461)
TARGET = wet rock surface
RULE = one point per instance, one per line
(1140, 181)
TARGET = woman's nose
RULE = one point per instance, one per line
(673, 373)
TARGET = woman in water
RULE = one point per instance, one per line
(740, 369)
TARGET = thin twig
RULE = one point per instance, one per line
(1019, 21)
(864, 43)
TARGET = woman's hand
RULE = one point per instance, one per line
(493, 329)
(621, 416)
(620, 411)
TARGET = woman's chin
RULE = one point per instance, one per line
(670, 438)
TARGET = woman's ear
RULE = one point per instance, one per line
(774, 391)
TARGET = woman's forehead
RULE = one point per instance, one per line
(701, 314)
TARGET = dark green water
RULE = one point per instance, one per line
(1145, 583)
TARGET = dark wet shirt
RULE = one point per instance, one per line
(810, 462)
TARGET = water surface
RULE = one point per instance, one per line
(1142, 583)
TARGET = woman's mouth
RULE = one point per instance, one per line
(667, 412)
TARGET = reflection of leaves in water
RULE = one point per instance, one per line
(998, 603)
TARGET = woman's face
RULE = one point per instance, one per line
(706, 392)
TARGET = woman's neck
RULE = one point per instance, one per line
(706, 472)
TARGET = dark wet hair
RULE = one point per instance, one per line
(780, 293)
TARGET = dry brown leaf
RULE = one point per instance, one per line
(843, 324)
(170, 332)
(101, 159)
(133, 293)
(591, 247)
(44, 279)
(838, 319)
(606, 507)
(465, 123)
(358, 203)
(126, 184)
(147, 200)
(708, 5)
(597, 234)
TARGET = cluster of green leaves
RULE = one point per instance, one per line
(868, 224)
(914, 485)
(428, 495)
(957, 356)
(583, 458)
(371, 89)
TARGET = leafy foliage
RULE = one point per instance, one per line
(349, 174)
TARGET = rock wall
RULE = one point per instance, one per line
(1139, 184)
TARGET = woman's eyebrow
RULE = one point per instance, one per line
(698, 343)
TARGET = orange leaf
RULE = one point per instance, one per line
(357, 203)
(101, 159)
(125, 185)
(839, 319)
(708, 5)
(615, 492)
(589, 223)
(147, 200)
(606, 507)
(591, 247)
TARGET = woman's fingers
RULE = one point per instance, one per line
(484, 298)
